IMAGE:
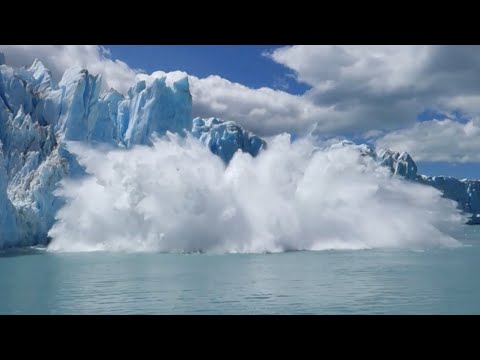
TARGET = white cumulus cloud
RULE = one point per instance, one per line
(116, 74)
(385, 87)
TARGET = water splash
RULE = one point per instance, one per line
(178, 197)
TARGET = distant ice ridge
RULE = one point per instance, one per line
(465, 192)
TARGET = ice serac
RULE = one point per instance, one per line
(399, 164)
(80, 104)
(225, 138)
(108, 125)
(40, 76)
(154, 108)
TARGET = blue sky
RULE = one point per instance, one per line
(458, 170)
(238, 63)
(422, 99)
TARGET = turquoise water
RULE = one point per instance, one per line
(438, 281)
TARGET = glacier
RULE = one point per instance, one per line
(40, 117)
(465, 192)
(225, 138)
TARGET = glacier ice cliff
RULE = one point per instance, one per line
(157, 107)
(39, 117)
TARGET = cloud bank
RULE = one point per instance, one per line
(58, 58)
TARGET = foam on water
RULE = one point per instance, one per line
(178, 197)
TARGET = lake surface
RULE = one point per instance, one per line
(437, 281)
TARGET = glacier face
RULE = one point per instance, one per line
(37, 119)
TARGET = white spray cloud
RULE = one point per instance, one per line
(178, 197)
